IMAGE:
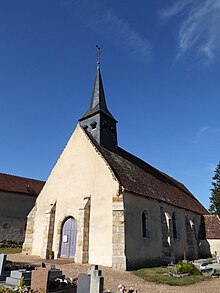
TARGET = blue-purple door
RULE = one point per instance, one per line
(68, 239)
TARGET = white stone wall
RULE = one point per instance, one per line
(142, 251)
(214, 246)
(79, 172)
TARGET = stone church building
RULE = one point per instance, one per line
(102, 205)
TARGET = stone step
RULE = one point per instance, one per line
(16, 282)
(19, 274)
(4, 276)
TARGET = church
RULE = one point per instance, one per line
(103, 205)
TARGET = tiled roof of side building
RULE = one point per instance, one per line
(212, 226)
(18, 184)
(138, 177)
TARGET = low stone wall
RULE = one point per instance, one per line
(14, 208)
(12, 231)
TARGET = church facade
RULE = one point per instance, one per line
(102, 205)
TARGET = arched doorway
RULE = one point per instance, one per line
(68, 238)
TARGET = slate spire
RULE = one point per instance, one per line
(98, 120)
(98, 102)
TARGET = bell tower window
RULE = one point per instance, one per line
(93, 125)
(112, 130)
(104, 125)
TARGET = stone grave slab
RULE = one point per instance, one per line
(93, 282)
(40, 280)
(53, 274)
(97, 280)
(3, 273)
(15, 277)
(83, 283)
(2, 262)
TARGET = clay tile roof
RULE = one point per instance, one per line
(13, 183)
(138, 177)
(212, 226)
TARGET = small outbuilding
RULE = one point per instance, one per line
(212, 229)
(17, 198)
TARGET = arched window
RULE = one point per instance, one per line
(145, 225)
(188, 225)
(195, 228)
(175, 226)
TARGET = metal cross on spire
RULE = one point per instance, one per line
(98, 54)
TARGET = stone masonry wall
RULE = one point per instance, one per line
(27, 246)
(82, 243)
(14, 208)
(47, 241)
(12, 231)
(118, 235)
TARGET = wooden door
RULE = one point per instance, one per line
(68, 238)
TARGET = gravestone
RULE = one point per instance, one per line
(93, 282)
(15, 277)
(3, 273)
(83, 283)
(2, 263)
(40, 280)
(97, 280)
(56, 273)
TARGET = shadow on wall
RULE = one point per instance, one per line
(204, 250)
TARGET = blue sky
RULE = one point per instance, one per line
(161, 73)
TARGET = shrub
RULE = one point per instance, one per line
(187, 267)
(50, 252)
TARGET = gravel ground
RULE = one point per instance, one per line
(114, 278)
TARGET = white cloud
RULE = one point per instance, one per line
(176, 8)
(199, 27)
(205, 130)
(105, 21)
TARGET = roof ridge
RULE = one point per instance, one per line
(21, 177)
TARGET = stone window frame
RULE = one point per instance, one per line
(175, 226)
(145, 225)
(195, 228)
(188, 224)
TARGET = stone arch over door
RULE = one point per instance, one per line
(68, 238)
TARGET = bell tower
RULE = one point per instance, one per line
(98, 121)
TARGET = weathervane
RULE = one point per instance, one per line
(98, 54)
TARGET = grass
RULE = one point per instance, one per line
(11, 250)
(210, 259)
(217, 272)
(156, 275)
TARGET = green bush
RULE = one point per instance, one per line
(50, 252)
(187, 267)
